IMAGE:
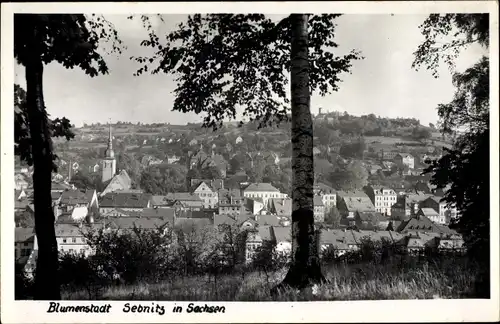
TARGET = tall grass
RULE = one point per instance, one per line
(344, 282)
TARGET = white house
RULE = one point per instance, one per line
(209, 196)
(383, 198)
(263, 191)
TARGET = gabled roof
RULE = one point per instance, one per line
(362, 204)
(125, 200)
(428, 212)
(270, 220)
(282, 233)
(282, 206)
(263, 187)
(160, 201)
(370, 216)
(182, 196)
(150, 223)
(74, 197)
(166, 213)
(24, 234)
(325, 189)
(123, 179)
(418, 223)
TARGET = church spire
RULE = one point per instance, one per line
(110, 154)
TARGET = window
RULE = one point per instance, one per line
(71, 251)
(64, 240)
(74, 239)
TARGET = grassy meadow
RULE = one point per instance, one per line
(448, 280)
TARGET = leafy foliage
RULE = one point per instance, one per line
(465, 29)
(163, 179)
(59, 127)
(462, 169)
(225, 61)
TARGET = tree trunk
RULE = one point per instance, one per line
(305, 268)
(46, 283)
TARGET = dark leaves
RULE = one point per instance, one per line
(59, 127)
(466, 29)
(71, 40)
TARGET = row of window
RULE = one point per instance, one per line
(263, 195)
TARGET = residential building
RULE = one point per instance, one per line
(405, 159)
(349, 202)
(319, 209)
(280, 206)
(254, 205)
(407, 205)
(382, 197)
(388, 155)
(254, 241)
(282, 237)
(230, 208)
(70, 239)
(71, 199)
(20, 182)
(24, 242)
(445, 213)
(370, 220)
(207, 194)
(263, 191)
(431, 214)
(327, 194)
(125, 201)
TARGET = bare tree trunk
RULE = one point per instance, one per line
(305, 268)
(46, 283)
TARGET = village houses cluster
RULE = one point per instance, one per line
(415, 220)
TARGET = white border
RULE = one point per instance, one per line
(354, 311)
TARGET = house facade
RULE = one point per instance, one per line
(319, 210)
(207, 194)
(328, 195)
(445, 212)
(383, 198)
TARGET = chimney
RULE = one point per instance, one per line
(320, 109)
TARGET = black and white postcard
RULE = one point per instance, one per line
(234, 162)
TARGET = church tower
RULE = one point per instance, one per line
(109, 162)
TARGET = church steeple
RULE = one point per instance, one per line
(109, 162)
(110, 154)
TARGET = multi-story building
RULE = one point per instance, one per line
(319, 209)
(207, 194)
(444, 212)
(264, 191)
(350, 202)
(327, 193)
(383, 198)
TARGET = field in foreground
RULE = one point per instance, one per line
(345, 282)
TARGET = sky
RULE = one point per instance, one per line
(383, 83)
